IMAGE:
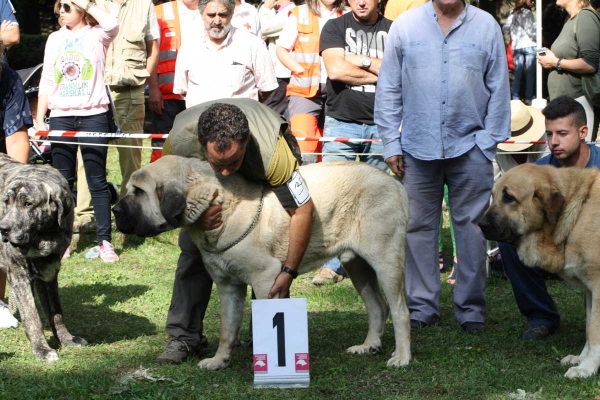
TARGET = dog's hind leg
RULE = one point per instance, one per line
(364, 279)
(232, 298)
(47, 293)
(589, 359)
(23, 291)
(389, 266)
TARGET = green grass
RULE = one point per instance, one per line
(121, 309)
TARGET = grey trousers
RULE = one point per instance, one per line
(470, 180)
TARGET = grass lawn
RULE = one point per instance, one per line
(121, 309)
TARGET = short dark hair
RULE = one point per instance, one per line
(564, 106)
(222, 124)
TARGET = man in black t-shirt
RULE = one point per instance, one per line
(352, 48)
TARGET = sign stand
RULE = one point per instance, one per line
(280, 336)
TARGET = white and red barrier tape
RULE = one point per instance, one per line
(81, 134)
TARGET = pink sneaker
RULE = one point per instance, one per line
(67, 254)
(107, 252)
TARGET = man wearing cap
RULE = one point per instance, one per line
(566, 130)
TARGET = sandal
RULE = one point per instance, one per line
(452, 278)
(443, 263)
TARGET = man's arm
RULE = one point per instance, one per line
(338, 69)
(300, 231)
(151, 55)
(17, 145)
(155, 98)
(389, 102)
(9, 31)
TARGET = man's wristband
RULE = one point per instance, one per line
(558, 67)
(290, 271)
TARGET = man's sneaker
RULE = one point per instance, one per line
(178, 351)
(326, 276)
(107, 252)
(7, 320)
(537, 332)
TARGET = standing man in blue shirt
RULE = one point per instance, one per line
(444, 82)
(566, 130)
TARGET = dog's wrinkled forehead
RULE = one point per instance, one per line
(28, 190)
(518, 182)
(143, 180)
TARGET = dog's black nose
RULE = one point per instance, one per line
(4, 231)
(116, 210)
(484, 223)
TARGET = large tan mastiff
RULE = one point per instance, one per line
(361, 217)
(552, 216)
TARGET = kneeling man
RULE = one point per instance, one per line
(233, 135)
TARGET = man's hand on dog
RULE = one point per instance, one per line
(211, 218)
(282, 286)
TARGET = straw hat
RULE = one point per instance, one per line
(526, 124)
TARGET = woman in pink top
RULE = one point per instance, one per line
(72, 87)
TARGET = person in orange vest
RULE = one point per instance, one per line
(298, 50)
(179, 21)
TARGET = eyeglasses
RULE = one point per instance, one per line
(66, 7)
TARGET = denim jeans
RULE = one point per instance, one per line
(343, 151)
(524, 60)
(64, 159)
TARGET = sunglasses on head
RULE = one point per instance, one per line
(66, 7)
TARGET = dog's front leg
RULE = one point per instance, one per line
(47, 293)
(589, 359)
(232, 299)
(23, 292)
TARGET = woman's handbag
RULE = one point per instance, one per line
(509, 56)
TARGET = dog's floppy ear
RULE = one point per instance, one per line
(552, 201)
(62, 209)
(172, 197)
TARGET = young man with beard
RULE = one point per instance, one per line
(566, 130)
(352, 48)
(223, 63)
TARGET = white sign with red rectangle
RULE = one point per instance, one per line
(280, 336)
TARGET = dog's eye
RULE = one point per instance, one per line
(138, 192)
(507, 198)
(28, 204)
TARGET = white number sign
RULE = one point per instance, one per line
(280, 335)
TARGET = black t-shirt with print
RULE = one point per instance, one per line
(345, 102)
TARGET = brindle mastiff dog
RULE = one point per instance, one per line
(552, 217)
(361, 217)
(36, 224)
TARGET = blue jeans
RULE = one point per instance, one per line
(351, 130)
(529, 288)
(64, 159)
(336, 128)
(524, 59)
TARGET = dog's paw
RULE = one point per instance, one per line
(49, 355)
(213, 364)
(398, 362)
(364, 349)
(580, 372)
(571, 360)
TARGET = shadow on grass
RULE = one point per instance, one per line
(89, 312)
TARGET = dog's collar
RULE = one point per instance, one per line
(246, 233)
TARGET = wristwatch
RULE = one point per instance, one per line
(558, 67)
(290, 271)
(366, 62)
(89, 5)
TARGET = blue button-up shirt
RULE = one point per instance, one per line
(448, 93)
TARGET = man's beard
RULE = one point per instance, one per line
(218, 34)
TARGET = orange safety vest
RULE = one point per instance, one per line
(170, 40)
(306, 53)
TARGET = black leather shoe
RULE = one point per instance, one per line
(415, 324)
(537, 332)
(473, 327)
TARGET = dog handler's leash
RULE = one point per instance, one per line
(246, 233)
